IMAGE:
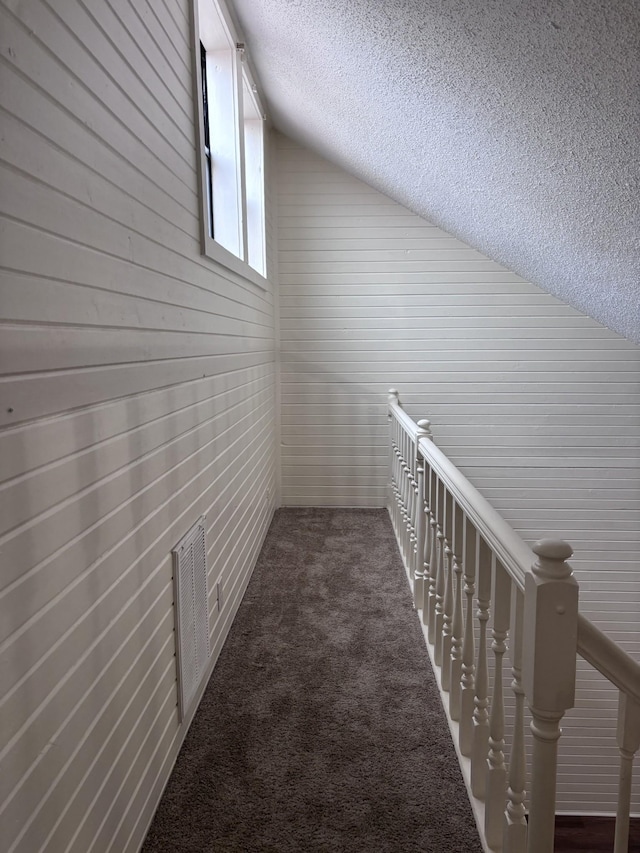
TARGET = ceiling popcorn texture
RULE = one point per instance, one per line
(514, 125)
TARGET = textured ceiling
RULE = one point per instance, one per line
(513, 124)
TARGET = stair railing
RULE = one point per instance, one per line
(478, 586)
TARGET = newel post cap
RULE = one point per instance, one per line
(424, 428)
(552, 556)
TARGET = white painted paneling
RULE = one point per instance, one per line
(138, 393)
(537, 404)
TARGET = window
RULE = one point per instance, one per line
(231, 146)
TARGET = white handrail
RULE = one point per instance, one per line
(608, 658)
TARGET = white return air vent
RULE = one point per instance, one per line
(191, 612)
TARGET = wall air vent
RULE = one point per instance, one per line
(191, 612)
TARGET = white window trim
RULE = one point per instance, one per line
(209, 247)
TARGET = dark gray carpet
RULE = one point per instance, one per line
(321, 728)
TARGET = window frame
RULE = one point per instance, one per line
(210, 248)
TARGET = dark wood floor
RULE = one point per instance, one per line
(591, 834)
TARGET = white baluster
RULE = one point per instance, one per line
(548, 676)
(447, 604)
(481, 701)
(419, 597)
(467, 690)
(401, 518)
(401, 522)
(427, 545)
(418, 584)
(440, 578)
(416, 508)
(457, 623)
(405, 497)
(409, 493)
(400, 510)
(395, 493)
(433, 558)
(398, 477)
(393, 458)
(515, 821)
(411, 507)
(393, 395)
(496, 784)
(628, 738)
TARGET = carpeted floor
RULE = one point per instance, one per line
(321, 730)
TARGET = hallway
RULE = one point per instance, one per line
(321, 728)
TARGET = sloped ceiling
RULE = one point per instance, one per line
(513, 124)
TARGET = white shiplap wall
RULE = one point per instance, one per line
(137, 393)
(538, 404)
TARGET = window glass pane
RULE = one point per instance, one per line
(225, 161)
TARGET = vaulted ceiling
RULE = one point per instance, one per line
(513, 124)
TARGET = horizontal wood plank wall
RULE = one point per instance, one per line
(537, 404)
(137, 394)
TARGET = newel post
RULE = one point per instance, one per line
(549, 675)
(628, 737)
